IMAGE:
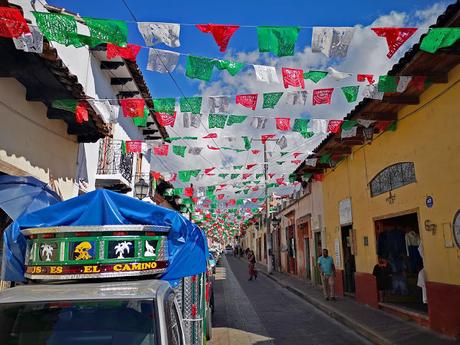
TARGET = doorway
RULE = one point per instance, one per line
(264, 246)
(278, 250)
(306, 241)
(398, 241)
(318, 248)
(259, 249)
(348, 260)
(290, 240)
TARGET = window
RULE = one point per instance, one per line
(127, 322)
(393, 177)
(306, 188)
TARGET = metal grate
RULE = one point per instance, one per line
(163, 250)
(193, 308)
(178, 292)
(393, 177)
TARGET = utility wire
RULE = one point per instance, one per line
(173, 79)
(113, 75)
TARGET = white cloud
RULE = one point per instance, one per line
(367, 54)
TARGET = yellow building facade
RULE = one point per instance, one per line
(426, 136)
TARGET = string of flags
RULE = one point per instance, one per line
(211, 193)
(207, 197)
(346, 126)
(305, 127)
(225, 219)
(192, 107)
(185, 175)
(333, 42)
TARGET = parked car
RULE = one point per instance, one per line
(228, 250)
(212, 263)
(91, 313)
(215, 254)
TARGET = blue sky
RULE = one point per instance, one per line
(242, 12)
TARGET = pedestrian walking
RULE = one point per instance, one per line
(252, 265)
(327, 269)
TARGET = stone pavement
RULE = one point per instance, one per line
(262, 312)
(376, 325)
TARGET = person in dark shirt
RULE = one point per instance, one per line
(382, 273)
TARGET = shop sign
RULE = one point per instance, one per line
(94, 254)
(337, 253)
(97, 270)
(429, 201)
(345, 212)
(315, 222)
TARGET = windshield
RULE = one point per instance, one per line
(79, 323)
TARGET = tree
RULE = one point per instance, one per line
(121, 247)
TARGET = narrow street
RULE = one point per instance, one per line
(140, 141)
(262, 312)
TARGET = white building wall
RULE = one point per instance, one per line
(96, 84)
(31, 144)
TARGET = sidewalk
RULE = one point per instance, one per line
(377, 326)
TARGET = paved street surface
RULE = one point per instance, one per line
(261, 312)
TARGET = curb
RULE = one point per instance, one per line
(359, 328)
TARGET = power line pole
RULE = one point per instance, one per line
(268, 242)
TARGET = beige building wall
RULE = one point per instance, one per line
(31, 144)
(249, 238)
(307, 206)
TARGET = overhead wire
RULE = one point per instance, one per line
(170, 74)
(122, 86)
(179, 89)
(168, 169)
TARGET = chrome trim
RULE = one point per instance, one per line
(94, 228)
(93, 275)
(160, 300)
(181, 320)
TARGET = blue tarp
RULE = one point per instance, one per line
(187, 243)
(24, 194)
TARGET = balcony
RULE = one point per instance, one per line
(114, 168)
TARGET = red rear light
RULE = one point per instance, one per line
(120, 233)
(149, 233)
(60, 305)
(48, 235)
(82, 234)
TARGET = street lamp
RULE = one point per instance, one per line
(141, 189)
